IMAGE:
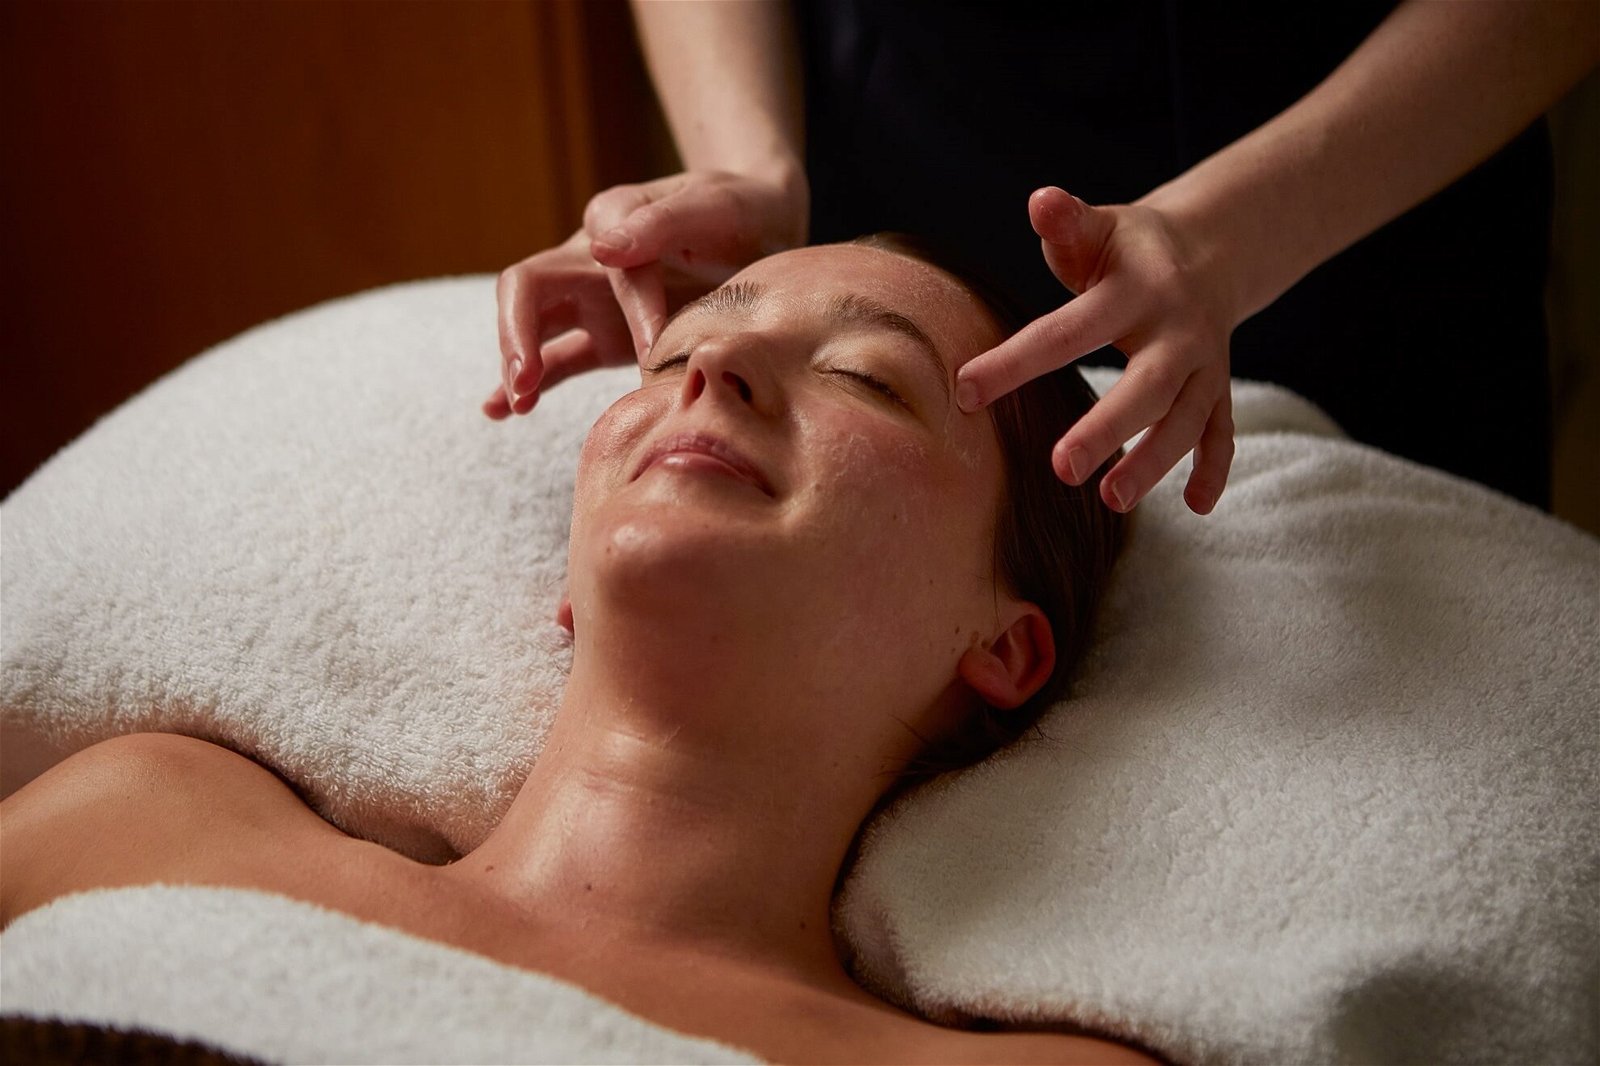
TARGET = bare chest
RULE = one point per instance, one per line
(778, 1020)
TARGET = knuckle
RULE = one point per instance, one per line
(1162, 451)
(1098, 441)
(1219, 432)
(1057, 332)
(1156, 375)
(1192, 413)
(726, 203)
(662, 214)
(610, 207)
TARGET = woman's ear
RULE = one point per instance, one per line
(564, 613)
(1015, 664)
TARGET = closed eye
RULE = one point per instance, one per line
(674, 360)
(876, 385)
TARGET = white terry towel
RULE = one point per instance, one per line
(1325, 791)
(255, 974)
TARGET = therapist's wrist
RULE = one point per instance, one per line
(1212, 254)
(1247, 235)
(789, 218)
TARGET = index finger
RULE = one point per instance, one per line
(1086, 324)
(642, 296)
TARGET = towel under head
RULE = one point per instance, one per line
(1324, 792)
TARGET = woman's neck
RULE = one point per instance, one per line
(710, 817)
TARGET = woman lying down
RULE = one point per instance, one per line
(799, 580)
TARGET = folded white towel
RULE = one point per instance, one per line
(1325, 792)
(284, 981)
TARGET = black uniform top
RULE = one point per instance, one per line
(1426, 339)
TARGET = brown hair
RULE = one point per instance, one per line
(1054, 544)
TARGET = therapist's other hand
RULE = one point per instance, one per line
(601, 298)
(1140, 287)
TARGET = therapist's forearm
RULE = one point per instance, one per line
(1435, 90)
(728, 76)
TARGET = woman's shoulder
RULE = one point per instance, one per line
(142, 808)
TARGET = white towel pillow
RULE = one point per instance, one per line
(1322, 794)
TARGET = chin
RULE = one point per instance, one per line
(679, 564)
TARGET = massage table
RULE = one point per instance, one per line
(1323, 790)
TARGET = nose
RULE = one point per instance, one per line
(722, 366)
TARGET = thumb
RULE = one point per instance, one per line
(699, 231)
(1072, 235)
(647, 230)
(605, 221)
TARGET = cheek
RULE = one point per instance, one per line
(895, 502)
(875, 463)
(876, 466)
(614, 437)
(904, 547)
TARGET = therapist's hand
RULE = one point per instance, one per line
(1140, 286)
(601, 297)
(558, 317)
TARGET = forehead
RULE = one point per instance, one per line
(944, 309)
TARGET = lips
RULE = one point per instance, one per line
(704, 444)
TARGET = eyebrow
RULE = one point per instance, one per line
(725, 300)
(850, 309)
(856, 310)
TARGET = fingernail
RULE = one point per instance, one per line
(1078, 464)
(516, 370)
(617, 240)
(967, 395)
(1123, 494)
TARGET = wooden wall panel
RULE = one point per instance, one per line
(177, 172)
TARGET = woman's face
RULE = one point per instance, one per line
(794, 462)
